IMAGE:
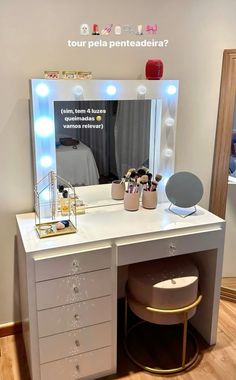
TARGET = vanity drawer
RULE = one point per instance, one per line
(67, 290)
(60, 346)
(129, 253)
(83, 365)
(71, 264)
(72, 317)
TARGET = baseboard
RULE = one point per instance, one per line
(11, 328)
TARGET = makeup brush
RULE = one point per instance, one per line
(144, 179)
(158, 177)
(141, 171)
(153, 186)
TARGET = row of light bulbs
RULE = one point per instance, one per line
(42, 90)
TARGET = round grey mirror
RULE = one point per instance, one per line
(184, 189)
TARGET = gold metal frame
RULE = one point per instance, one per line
(184, 310)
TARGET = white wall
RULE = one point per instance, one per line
(33, 38)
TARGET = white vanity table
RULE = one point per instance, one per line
(69, 283)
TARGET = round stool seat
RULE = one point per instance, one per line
(169, 283)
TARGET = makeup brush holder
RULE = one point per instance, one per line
(117, 190)
(131, 201)
(149, 199)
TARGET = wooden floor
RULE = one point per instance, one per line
(229, 282)
(216, 363)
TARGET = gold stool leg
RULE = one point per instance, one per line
(126, 316)
(184, 346)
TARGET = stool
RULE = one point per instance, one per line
(165, 292)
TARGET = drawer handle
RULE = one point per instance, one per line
(76, 289)
(77, 367)
(77, 343)
(172, 248)
(76, 316)
(75, 264)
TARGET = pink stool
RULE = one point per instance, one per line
(165, 292)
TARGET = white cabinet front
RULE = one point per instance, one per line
(75, 342)
(76, 367)
(70, 264)
(74, 316)
(67, 290)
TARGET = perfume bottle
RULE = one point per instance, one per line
(65, 203)
(59, 197)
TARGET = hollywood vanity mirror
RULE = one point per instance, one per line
(92, 131)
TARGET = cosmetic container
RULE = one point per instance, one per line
(65, 203)
(117, 190)
(149, 199)
(131, 201)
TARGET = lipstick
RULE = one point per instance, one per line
(95, 30)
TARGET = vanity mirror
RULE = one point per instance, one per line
(93, 131)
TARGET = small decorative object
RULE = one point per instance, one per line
(69, 74)
(117, 30)
(154, 69)
(131, 200)
(140, 30)
(84, 30)
(77, 205)
(151, 29)
(107, 29)
(60, 226)
(184, 190)
(117, 190)
(51, 74)
(95, 31)
(84, 75)
(51, 209)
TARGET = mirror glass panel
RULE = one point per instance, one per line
(98, 141)
(92, 131)
(228, 289)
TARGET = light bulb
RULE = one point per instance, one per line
(169, 122)
(42, 90)
(46, 161)
(44, 126)
(111, 90)
(171, 90)
(168, 152)
(78, 90)
(141, 89)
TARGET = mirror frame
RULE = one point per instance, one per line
(45, 91)
(220, 171)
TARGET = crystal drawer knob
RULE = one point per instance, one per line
(75, 264)
(172, 248)
(77, 343)
(76, 316)
(76, 289)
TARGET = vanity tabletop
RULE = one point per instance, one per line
(106, 223)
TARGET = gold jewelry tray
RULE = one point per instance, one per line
(44, 232)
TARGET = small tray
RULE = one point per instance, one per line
(49, 229)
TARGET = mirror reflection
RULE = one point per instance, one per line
(228, 289)
(232, 161)
(98, 141)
